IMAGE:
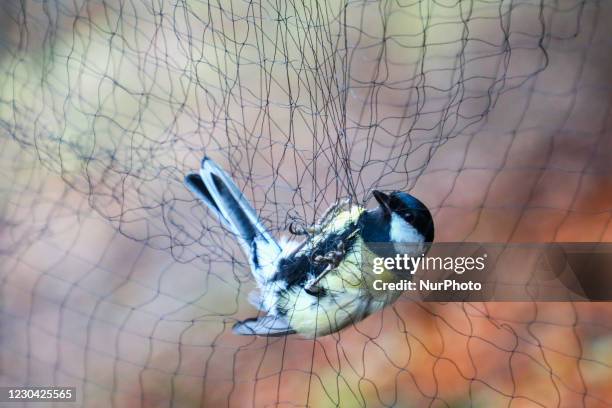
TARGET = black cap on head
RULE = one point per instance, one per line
(411, 209)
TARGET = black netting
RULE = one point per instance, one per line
(116, 280)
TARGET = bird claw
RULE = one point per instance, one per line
(297, 230)
(332, 258)
(301, 230)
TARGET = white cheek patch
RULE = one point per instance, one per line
(403, 232)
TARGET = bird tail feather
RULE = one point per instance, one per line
(217, 190)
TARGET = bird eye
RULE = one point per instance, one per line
(409, 217)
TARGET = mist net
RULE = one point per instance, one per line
(116, 280)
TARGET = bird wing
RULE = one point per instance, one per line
(300, 268)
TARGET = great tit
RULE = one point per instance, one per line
(321, 284)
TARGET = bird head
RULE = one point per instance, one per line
(409, 218)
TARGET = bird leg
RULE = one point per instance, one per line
(296, 229)
(332, 258)
(335, 256)
(324, 220)
(312, 288)
(299, 229)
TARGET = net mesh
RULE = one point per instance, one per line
(116, 280)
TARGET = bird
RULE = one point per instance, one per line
(320, 284)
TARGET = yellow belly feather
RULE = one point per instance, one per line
(349, 286)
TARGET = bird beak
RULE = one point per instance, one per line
(383, 200)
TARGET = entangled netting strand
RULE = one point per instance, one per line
(116, 280)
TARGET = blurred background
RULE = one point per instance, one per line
(114, 279)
